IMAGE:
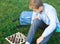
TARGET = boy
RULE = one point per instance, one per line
(45, 17)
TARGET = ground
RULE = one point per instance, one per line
(11, 9)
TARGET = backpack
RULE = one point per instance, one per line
(25, 18)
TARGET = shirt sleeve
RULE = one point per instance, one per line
(52, 25)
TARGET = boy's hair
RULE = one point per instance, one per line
(35, 4)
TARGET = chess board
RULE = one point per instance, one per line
(17, 38)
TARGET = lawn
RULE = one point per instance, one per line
(11, 9)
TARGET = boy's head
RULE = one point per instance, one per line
(35, 4)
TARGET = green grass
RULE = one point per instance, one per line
(11, 9)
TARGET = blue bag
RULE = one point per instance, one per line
(25, 17)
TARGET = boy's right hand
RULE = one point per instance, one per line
(37, 18)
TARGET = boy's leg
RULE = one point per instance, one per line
(45, 41)
(36, 23)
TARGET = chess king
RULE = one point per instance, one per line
(44, 16)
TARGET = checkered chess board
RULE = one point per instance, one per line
(17, 38)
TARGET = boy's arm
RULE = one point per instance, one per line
(52, 16)
(52, 26)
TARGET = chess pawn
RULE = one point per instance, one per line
(8, 38)
(17, 38)
(19, 41)
(16, 41)
(13, 39)
(15, 35)
(20, 35)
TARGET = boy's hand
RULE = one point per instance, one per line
(39, 40)
(37, 18)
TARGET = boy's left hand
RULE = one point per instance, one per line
(39, 40)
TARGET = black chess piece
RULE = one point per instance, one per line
(19, 40)
(20, 35)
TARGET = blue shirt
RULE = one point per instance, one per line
(49, 16)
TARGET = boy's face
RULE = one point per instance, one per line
(33, 8)
(40, 9)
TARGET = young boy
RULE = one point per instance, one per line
(45, 17)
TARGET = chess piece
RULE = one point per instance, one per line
(19, 40)
(16, 40)
(13, 39)
(8, 38)
(20, 35)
